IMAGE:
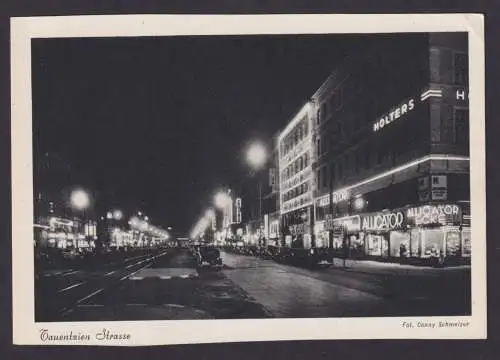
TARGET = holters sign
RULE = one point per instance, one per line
(383, 221)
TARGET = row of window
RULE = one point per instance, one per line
(299, 132)
(295, 192)
(372, 155)
(345, 91)
(295, 167)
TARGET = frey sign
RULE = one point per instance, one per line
(396, 113)
(383, 221)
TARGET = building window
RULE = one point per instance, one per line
(306, 160)
(324, 111)
(338, 99)
(460, 68)
(461, 124)
(318, 147)
(318, 178)
(306, 128)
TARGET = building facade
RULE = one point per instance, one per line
(271, 199)
(391, 147)
(296, 180)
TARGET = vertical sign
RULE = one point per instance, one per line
(266, 226)
(272, 178)
(423, 189)
(439, 187)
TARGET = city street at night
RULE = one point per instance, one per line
(271, 177)
(166, 285)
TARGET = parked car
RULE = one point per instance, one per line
(209, 256)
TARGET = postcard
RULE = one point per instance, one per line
(184, 179)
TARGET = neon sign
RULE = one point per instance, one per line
(433, 214)
(383, 221)
(341, 195)
(394, 115)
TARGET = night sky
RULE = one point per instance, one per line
(159, 123)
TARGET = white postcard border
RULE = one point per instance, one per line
(26, 331)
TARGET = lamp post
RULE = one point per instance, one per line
(257, 157)
(221, 200)
(80, 201)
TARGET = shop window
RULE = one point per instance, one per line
(400, 244)
(433, 242)
(415, 243)
(466, 244)
(453, 243)
(460, 69)
(374, 244)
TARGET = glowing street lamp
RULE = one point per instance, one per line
(256, 155)
(117, 215)
(80, 199)
(221, 200)
(359, 203)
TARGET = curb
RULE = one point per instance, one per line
(183, 276)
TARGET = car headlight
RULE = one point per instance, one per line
(312, 251)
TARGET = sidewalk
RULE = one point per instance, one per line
(384, 268)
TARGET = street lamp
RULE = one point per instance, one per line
(257, 157)
(221, 200)
(80, 199)
(117, 214)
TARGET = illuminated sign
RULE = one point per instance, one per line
(297, 229)
(341, 195)
(383, 221)
(462, 94)
(433, 214)
(394, 114)
(296, 203)
(324, 201)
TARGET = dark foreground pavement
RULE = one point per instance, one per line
(167, 286)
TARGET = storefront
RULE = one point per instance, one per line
(430, 231)
(296, 228)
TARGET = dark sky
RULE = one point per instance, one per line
(159, 123)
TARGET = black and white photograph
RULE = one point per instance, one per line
(250, 177)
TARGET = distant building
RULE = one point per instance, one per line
(56, 224)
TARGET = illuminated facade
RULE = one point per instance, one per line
(391, 145)
(296, 179)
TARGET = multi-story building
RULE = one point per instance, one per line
(271, 199)
(296, 179)
(391, 145)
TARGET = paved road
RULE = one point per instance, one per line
(167, 285)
